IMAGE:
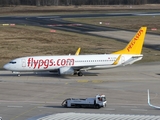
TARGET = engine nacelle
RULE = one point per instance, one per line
(66, 71)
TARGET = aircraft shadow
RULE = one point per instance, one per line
(54, 106)
(157, 73)
(46, 74)
(90, 74)
(33, 74)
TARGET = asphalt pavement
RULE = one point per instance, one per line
(36, 95)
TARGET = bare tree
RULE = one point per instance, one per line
(56, 2)
(38, 3)
(4, 2)
(76, 2)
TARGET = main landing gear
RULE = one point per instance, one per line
(79, 73)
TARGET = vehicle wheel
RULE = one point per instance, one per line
(97, 106)
(79, 106)
(80, 74)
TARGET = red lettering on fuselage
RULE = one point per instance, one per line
(51, 62)
(35, 62)
(45, 63)
(58, 62)
(130, 46)
(70, 62)
(63, 62)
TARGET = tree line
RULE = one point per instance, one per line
(75, 2)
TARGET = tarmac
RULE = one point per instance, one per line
(35, 95)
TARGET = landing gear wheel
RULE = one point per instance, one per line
(78, 106)
(80, 74)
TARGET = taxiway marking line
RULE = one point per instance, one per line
(15, 106)
(139, 110)
(23, 113)
(82, 81)
(93, 81)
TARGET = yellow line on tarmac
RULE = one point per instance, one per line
(83, 81)
(93, 81)
(14, 118)
(97, 81)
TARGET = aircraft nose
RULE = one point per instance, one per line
(6, 66)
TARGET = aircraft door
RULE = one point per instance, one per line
(122, 59)
(23, 63)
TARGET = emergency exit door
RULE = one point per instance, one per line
(23, 63)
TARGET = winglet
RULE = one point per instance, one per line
(117, 60)
(136, 44)
(78, 51)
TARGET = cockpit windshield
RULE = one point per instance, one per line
(12, 62)
(103, 98)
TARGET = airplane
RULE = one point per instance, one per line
(157, 107)
(76, 64)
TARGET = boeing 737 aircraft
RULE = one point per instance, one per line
(76, 64)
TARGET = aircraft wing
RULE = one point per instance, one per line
(83, 67)
(157, 107)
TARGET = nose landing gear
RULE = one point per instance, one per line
(18, 73)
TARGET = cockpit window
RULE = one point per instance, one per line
(12, 62)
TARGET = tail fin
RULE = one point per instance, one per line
(136, 44)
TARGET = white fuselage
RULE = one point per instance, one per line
(49, 63)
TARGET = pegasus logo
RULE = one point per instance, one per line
(130, 46)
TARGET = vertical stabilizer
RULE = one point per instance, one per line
(136, 44)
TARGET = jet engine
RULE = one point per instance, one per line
(66, 71)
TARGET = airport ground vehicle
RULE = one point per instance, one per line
(96, 102)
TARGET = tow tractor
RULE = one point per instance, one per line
(96, 102)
